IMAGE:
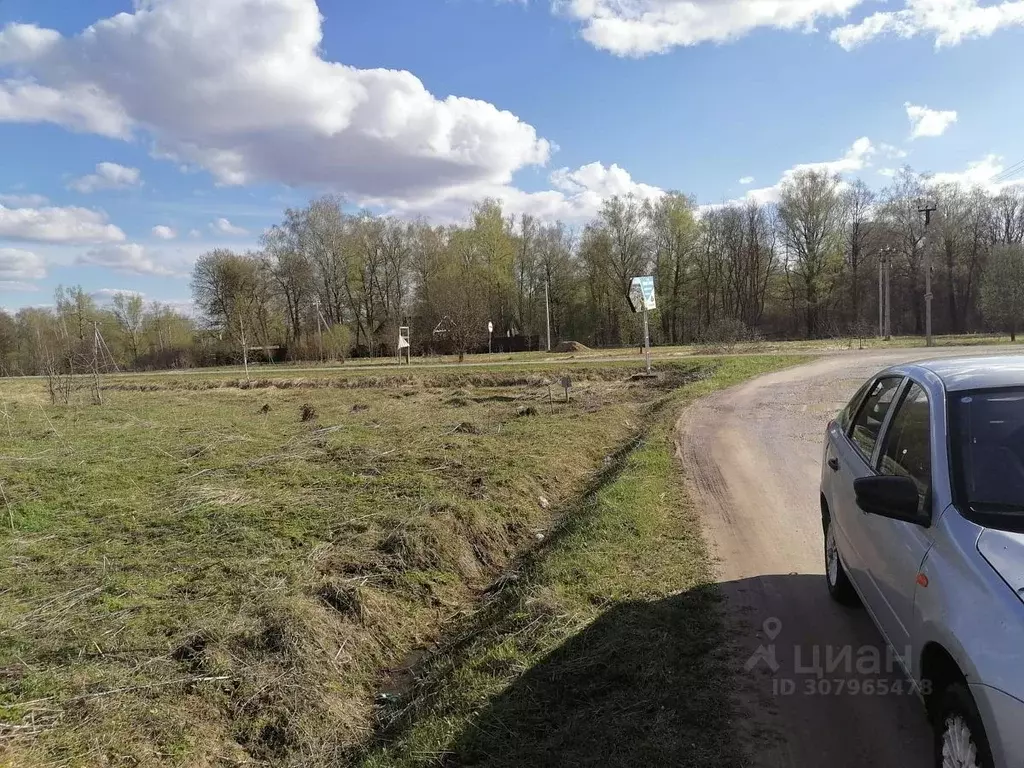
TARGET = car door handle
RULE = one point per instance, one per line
(834, 464)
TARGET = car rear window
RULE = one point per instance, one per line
(872, 414)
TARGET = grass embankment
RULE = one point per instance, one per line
(604, 645)
(198, 576)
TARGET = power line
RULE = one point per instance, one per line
(1008, 173)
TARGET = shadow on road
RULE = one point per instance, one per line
(651, 684)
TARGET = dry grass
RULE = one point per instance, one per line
(602, 647)
(194, 575)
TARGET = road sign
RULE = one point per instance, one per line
(404, 335)
(641, 293)
(490, 327)
(641, 299)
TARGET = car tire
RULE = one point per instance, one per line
(960, 740)
(839, 586)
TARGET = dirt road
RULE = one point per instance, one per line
(814, 681)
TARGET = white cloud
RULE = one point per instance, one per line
(576, 196)
(225, 227)
(856, 158)
(108, 176)
(986, 173)
(239, 87)
(642, 27)
(600, 181)
(163, 232)
(928, 122)
(57, 225)
(888, 150)
(78, 107)
(747, 180)
(24, 201)
(16, 264)
(21, 43)
(195, 233)
(17, 285)
(887, 172)
(181, 306)
(107, 294)
(130, 258)
(950, 22)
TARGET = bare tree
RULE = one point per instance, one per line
(1008, 216)
(461, 291)
(1002, 290)
(292, 274)
(904, 230)
(811, 219)
(961, 239)
(675, 236)
(229, 289)
(861, 235)
(128, 310)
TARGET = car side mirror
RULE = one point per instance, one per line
(891, 496)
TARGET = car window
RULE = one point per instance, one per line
(907, 450)
(987, 428)
(846, 415)
(872, 414)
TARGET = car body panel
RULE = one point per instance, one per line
(968, 599)
(1004, 551)
(969, 610)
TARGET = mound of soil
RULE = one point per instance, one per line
(570, 346)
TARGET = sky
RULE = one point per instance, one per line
(139, 135)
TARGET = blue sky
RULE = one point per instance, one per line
(183, 125)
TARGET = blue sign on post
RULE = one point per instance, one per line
(641, 293)
(641, 299)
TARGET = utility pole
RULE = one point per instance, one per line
(888, 297)
(881, 295)
(885, 254)
(96, 393)
(547, 305)
(927, 210)
(319, 332)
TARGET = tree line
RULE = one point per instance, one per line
(328, 282)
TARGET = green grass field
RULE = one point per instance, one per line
(195, 574)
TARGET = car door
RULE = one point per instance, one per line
(895, 549)
(854, 455)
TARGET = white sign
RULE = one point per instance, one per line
(641, 293)
(490, 327)
(403, 343)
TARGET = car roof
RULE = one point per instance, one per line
(960, 373)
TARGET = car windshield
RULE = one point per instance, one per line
(988, 450)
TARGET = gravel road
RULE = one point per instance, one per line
(814, 681)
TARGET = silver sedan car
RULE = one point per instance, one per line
(922, 506)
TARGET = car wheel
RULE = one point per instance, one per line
(839, 586)
(960, 740)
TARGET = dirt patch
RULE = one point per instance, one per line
(565, 347)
